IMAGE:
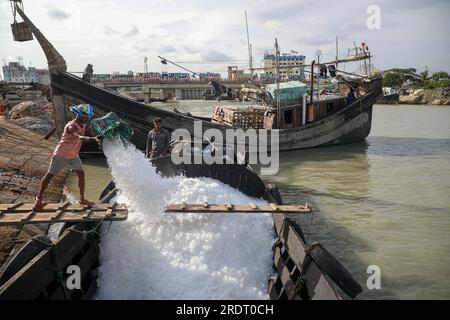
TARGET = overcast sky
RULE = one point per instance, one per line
(116, 35)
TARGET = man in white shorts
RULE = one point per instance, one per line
(67, 152)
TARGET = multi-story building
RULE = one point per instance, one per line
(15, 72)
(235, 74)
(290, 66)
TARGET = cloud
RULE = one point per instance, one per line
(214, 55)
(109, 31)
(201, 30)
(133, 32)
(282, 11)
(139, 48)
(168, 48)
(190, 49)
(272, 25)
(58, 14)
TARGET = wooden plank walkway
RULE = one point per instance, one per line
(21, 213)
(243, 208)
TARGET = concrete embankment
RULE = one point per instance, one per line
(24, 159)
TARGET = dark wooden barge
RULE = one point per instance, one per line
(301, 271)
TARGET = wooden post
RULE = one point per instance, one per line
(304, 110)
(56, 64)
(59, 110)
(312, 81)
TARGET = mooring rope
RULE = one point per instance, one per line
(85, 233)
(56, 265)
(362, 123)
(310, 227)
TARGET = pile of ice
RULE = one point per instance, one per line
(154, 255)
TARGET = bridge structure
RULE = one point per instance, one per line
(168, 89)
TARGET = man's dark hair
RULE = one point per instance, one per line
(4, 94)
(157, 120)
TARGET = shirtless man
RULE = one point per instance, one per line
(67, 152)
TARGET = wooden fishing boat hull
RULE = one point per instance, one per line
(350, 124)
(334, 130)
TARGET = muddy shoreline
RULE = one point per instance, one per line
(24, 159)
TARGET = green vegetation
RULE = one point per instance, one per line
(433, 84)
(397, 77)
(440, 75)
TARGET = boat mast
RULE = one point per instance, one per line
(318, 53)
(312, 81)
(337, 52)
(277, 53)
(250, 58)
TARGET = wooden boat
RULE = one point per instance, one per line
(301, 270)
(329, 121)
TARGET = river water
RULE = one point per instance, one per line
(382, 202)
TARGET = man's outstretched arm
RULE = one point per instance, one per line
(74, 130)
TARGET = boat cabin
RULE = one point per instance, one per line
(291, 100)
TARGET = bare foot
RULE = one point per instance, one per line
(38, 205)
(85, 202)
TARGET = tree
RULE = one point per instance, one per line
(424, 76)
(440, 75)
(397, 77)
(392, 79)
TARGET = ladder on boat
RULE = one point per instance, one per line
(23, 213)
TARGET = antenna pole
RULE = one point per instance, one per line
(312, 81)
(250, 58)
(337, 52)
(277, 52)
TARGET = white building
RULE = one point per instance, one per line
(15, 72)
(290, 66)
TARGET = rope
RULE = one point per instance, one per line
(13, 9)
(361, 108)
(56, 265)
(310, 227)
(85, 233)
(300, 284)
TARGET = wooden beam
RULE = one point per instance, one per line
(228, 207)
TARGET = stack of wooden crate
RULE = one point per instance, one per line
(242, 118)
